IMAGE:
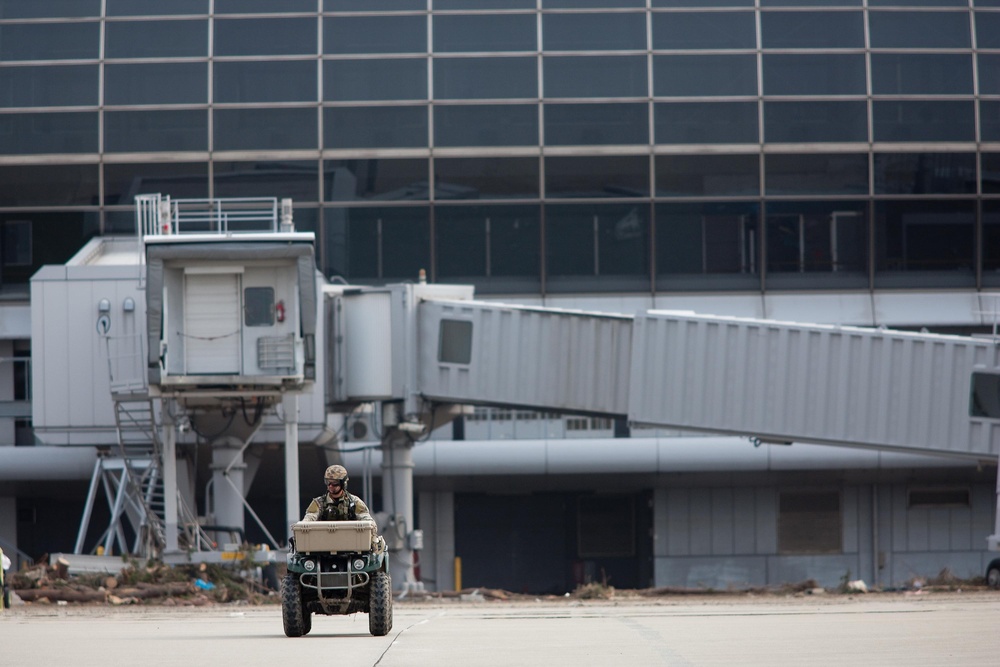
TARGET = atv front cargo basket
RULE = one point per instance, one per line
(333, 536)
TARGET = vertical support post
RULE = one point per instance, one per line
(170, 490)
(397, 500)
(228, 466)
(290, 405)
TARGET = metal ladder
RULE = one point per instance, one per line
(132, 482)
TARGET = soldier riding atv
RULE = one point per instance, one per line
(337, 563)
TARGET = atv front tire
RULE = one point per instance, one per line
(294, 617)
(380, 604)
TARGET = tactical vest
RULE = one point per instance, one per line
(344, 509)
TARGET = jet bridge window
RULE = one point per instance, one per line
(455, 343)
(258, 306)
(985, 400)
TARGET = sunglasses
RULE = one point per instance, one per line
(335, 484)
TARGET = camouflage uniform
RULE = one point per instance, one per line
(346, 508)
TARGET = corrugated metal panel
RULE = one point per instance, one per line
(559, 360)
(367, 323)
(810, 383)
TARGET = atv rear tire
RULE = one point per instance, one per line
(380, 604)
(294, 617)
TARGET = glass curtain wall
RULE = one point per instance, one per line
(525, 146)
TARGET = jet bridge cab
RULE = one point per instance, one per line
(231, 294)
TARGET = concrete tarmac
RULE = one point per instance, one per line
(884, 629)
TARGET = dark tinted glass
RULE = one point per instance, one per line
(297, 179)
(703, 3)
(991, 174)
(141, 131)
(375, 34)
(258, 306)
(989, 120)
(593, 32)
(156, 7)
(50, 41)
(817, 245)
(264, 6)
(156, 83)
(395, 180)
(50, 185)
(156, 39)
(985, 399)
(918, 3)
(597, 176)
(707, 246)
(596, 246)
(921, 74)
(377, 244)
(268, 81)
(810, 3)
(35, 133)
(486, 125)
(496, 246)
(704, 30)
(808, 74)
(706, 123)
(374, 80)
(180, 180)
(816, 173)
(924, 243)
(925, 173)
(29, 237)
(586, 4)
(596, 124)
(923, 121)
(987, 30)
(696, 76)
(265, 37)
(943, 30)
(264, 129)
(989, 73)
(595, 76)
(485, 78)
(991, 240)
(483, 5)
(48, 9)
(485, 178)
(503, 32)
(707, 175)
(812, 30)
(807, 122)
(375, 127)
(366, 5)
(51, 86)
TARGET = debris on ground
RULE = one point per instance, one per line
(136, 583)
(154, 583)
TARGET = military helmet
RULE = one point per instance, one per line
(336, 474)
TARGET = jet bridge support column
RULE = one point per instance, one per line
(397, 501)
(993, 541)
(290, 405)
(228, 467)
(169, 455)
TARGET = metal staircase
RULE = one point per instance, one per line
(131, 480)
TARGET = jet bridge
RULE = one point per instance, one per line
(777, 381)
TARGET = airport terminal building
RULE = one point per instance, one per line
(828, 161)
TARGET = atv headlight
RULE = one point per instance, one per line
(359, 564)
(309, 565)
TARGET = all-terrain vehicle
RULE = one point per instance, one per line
(336, 567)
